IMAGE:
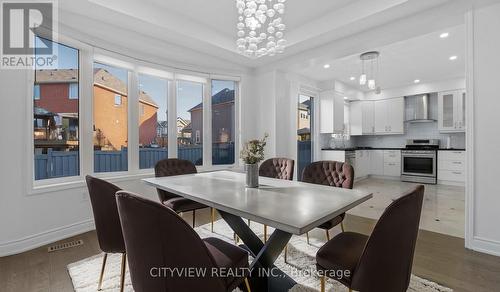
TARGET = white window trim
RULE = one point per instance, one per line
(45, 185)
(87, 56)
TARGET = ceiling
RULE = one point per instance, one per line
(425, 58)
(210, 26)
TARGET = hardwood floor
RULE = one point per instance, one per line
(440, 258)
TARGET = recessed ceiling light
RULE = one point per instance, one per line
(326, 66)
(352, 78)
(453, 58)
(346, 98)
(444, 35)
(416, 81)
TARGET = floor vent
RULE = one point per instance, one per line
(65, 245)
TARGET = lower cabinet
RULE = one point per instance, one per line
(377, 162)
(451, 167)
(392, 163)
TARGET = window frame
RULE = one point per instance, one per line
(60, 183)
(89, 54)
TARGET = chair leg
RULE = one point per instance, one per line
(248, 221)
(102, 272)
(265, 233)
(322, 284)
(122, 277)
(247, 285)
(194, 217)
(342, 226)
(327, 235)
(212, 211)
(307, 236)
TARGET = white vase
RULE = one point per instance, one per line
(252, 172)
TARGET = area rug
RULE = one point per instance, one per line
(301, 264)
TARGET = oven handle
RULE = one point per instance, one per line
(419, 155)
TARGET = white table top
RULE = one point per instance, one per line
(290, 206)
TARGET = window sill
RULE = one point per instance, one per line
(75, 182)
(59, 184)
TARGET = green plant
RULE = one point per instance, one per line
(253, 150)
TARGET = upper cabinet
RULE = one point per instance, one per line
(331, 112)
(389, 116)
(362, 115)
(451, 106)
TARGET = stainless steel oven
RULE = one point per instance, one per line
(419, 161)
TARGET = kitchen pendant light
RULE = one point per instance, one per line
(369, 79)
(362, 79)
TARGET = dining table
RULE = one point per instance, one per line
(290, 207)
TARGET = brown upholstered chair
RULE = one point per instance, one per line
(107, 222)
(383, 261)
(280, 168)
(156, 239)
(174, 166)
(329, 173)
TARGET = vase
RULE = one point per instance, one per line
(252, 171)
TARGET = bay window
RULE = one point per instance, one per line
(190, 121)
(110, 129)
(153, 124)
(223, 121)
(55, 117)
(131, 114)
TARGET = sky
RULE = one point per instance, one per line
(189, 94)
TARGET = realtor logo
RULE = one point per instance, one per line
(22, 22)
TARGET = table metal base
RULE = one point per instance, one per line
(265, 275)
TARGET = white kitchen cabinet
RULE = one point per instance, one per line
(362, 166)
(451, 108)
(362, 114)
(331, 112)
(389, 116)
(451, 167)
(392, 162)
(376, 162)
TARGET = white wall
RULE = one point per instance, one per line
(484, 193)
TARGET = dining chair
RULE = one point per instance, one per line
(174, 166)
(334, 174)
(107, 222)
(382, 261)
(280, 168)
(158, 240)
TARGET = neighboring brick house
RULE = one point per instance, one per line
(222, 118)
(303, 121)
(56, 93)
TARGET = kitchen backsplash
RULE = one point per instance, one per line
(412, 131)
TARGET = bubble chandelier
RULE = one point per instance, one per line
(260, 27)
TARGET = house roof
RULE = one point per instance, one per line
(223, 96)
(303, 131)
(305, 105)
(101, 77)
(41, 112)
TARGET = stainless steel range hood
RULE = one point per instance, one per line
(417, 109)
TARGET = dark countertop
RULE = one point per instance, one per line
(383, 148)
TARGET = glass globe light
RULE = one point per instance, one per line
(279, 34)
(271, 12)
(270, 29)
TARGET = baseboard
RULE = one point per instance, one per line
(46, 237)
(484, 245)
